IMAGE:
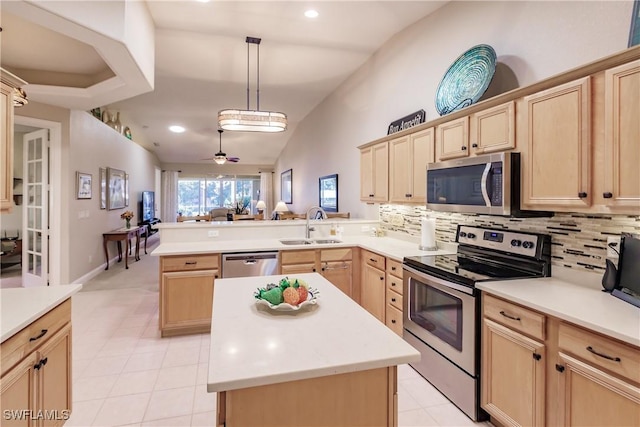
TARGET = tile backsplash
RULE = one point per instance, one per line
(578, 240)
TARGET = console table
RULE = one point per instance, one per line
(125, 234)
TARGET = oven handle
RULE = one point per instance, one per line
(483, 185)
(443, 284)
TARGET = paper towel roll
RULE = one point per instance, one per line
(428, 234)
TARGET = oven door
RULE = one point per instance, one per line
(443, 315)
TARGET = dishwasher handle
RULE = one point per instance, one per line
(250, 261)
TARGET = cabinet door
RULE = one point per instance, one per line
(366, 174)
(422, 153)
(381, 172)
(186, 299)
(591, 397)
(622, 137)
(400, 174)
(54, 378)
(512, 377)
(18, 393)
(452, 139)
(373, 291)
(6, 147)
(340, 273)
(556, 163)
(493, 129)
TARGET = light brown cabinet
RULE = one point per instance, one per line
(408, 158)
(486, 131)
(621, 187)
(540, 370)
(35, 386)
(556, 157)
(394, 296)
(374, 173)
(186, 293)
(7, 84)
(335, 264)
(373, 286)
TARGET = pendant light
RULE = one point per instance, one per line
(220, 157)
(252, 120)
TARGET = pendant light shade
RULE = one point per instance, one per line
(252, 120)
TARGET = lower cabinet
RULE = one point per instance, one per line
(540, 370)
(373, 286)
(37, 390)
(394, 292)
(186, 293)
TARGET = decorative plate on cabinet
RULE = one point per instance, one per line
(466, 79)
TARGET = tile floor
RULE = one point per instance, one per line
(124, 374)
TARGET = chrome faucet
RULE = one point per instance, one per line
(316, 209)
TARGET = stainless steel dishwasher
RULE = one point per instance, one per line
(245, 264)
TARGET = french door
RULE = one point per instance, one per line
(35, 213)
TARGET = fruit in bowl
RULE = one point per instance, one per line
(288, 293)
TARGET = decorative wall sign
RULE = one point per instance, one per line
(83, 185)
(407, 122)
(285, 186)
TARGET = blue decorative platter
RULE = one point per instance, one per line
(466, 79)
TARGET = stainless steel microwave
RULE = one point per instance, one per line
(488, 184)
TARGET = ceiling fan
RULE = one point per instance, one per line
(221, 157)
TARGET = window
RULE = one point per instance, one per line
(197, 196)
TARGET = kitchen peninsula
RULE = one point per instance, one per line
(327, 364)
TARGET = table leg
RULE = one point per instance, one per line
(146, 236)
(138, 246)
(106, 251)
(126, 253)
(119, 250)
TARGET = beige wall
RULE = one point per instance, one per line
(533, 40)
(86, 145)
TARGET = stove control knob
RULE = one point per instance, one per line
(463, 234)
(471, 235)
(527, 245)
(516, 243)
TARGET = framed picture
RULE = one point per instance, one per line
(126, 189)
(285, 186)
(83, 185)
(103, 188)
(634, 32)
(116, 188)
(328, 191)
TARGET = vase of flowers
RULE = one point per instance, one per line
(127, 215)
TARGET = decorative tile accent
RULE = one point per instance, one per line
(578, 240)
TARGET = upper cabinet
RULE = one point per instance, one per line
(556, 147)
(486, 131)
(374, 173)
(622, 137)
(408, 158)
(8, 82)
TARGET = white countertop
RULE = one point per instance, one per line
(253, 345)
(585, 306)
(21, 306)
(387, 246)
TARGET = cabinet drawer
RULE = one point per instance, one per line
(189, 262)
(297, 257)
(394, 299)
(32, 336)
(374, 260)
(394, 283)
(514, 316)
(338, 254)
(394, 319)
(297, 268)
(394, 267)
(601, 351)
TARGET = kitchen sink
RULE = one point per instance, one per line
(326, 241)
(295, 242)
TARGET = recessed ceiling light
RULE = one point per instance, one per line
(203, 1)
(176, 129)
(311, 13)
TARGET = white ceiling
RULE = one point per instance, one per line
(201, 65)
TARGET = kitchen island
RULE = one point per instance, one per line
(327, 364)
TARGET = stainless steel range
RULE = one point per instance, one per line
(442, 305)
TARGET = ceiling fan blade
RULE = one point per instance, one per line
(233, 159)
